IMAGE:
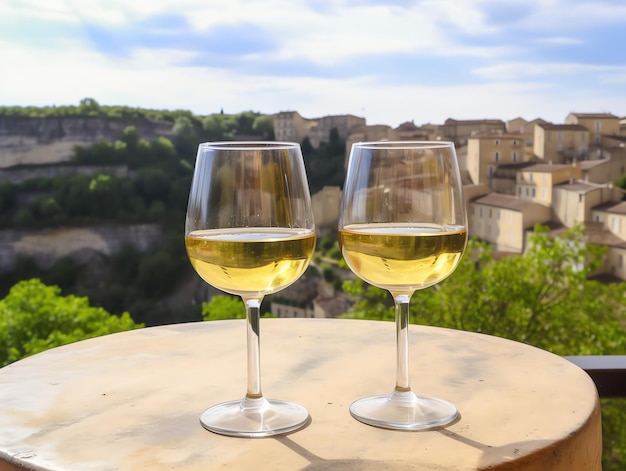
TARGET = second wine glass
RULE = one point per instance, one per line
(249, 231)
(402, 227)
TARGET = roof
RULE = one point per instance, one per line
(407, 126)
(578, 186)
(333, 307)
(473, 121)
(595, 115)
(500, 200)
(612, 207)
(595, 232)
(562, 127)
(587, 164)
(546, 168)
(515, 165)
(497, 135)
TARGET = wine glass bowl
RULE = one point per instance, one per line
(249, 231)
(403, 227)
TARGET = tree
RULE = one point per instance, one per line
(264, 126)
(223, 307)
(131, 137)
(245, 122)
(35, 317)
(89, 106)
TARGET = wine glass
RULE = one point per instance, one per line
(402, 227)
(249, 231)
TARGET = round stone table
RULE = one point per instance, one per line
(131, 401)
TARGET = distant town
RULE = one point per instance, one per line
(516, 174)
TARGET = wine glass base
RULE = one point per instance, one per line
(254, 417)
(403, 410)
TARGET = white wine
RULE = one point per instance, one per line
(250, 261)
(402, 257)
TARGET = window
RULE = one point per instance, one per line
(497, 156)
(519, 191)
(514, 156)
(497, 142)
(480, 211)
(533, 193)
(530, 176)
(490, 213)
(598, 126)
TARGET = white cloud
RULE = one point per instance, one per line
(522, 70)
(510, 80)
(559, 41)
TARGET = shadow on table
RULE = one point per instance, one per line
(510, 451)
(318, 463)
(491, 454)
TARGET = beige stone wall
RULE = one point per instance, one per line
(486, 152)
(597, 124)
(499, 226)
(558, 146)
(290, 126)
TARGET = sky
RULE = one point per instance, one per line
(389, 61)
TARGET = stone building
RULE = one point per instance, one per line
(290, 126)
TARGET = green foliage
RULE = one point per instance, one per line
(613, 434)
(35, 317)
(325, 165)
(219, 127)
(223, 307)
(90, 107)
(621, 183)
(264, 126)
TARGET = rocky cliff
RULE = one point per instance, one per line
(49, 245)
(28, 141)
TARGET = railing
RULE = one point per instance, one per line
(608, 372)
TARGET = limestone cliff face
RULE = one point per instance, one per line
(49, 245)
(50, 140)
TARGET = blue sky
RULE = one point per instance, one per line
(388, 61)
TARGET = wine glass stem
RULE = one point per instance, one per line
(253, 308)
(402, 341)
